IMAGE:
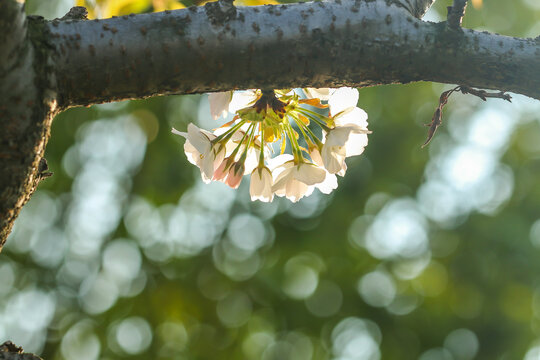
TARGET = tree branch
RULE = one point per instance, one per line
(10, 351)
(26, 108)
(456, 13)
(222, 47)
(73, 62)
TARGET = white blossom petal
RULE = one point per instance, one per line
(356, 144)
(176, 132)
(315, 155)
(242, 99)
(309, 174)
(319, 93)
(329, 184)
(342, 99)
(198, 139)
(192, 154)
(219, 103)
(297, 181)
(252, 160)
(353, 116)
(260, 187)
(200, 151)
(334, 149)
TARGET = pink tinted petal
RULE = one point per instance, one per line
(235, 176)
(220, 172)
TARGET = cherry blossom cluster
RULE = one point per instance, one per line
(313, 130)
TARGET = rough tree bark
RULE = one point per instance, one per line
(48, 66)
(10, 351)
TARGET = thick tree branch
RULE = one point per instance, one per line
(26, 108)
(72, 62)
(326, 44)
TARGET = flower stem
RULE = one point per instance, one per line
(294, 144)
(229, 133)
(251, 131)
(261, 156)
(301, 125)
(315, 117)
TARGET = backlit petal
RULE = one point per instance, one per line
(219, 103)
(342, 99)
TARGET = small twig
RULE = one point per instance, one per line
(482, 94)
(43, 168)
(436, 120)
(455, 14)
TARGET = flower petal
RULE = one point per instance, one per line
(342, 99)
(242, 99)
(309, 174)
(356, 144)
(198, 139)
(176, 132)
(192, 154)
(354, 116)
(219, 103)
(260, 187)
(333, 160)
(234, 178)
(320, 93)
(329, 184)
(315, 155)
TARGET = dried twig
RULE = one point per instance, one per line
(482, 94)
(436, 120)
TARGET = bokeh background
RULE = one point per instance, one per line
(430, 254)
